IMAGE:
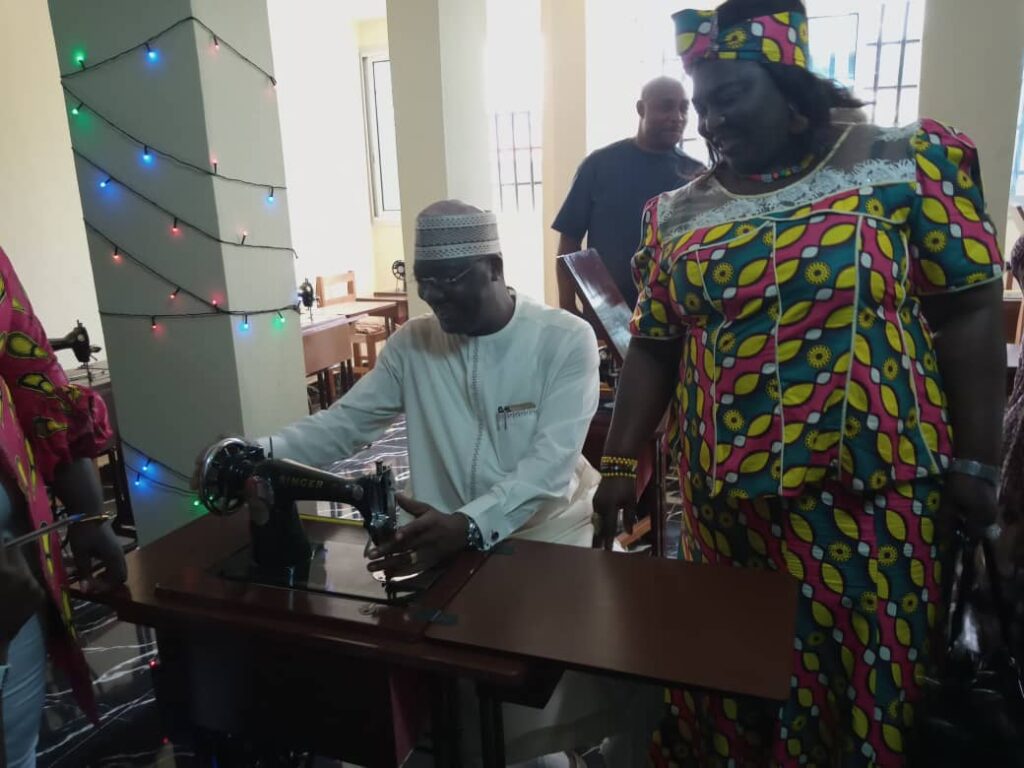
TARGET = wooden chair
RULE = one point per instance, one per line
(587, 290)
(369, 331)
(329, 362)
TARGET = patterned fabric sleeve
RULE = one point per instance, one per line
(953, 241)
(654, 316)
(60, 420)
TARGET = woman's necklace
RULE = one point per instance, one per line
(782, 173)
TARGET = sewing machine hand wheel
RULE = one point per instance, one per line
(223, 471)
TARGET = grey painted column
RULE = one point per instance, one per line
(438, 73)
(157, 132)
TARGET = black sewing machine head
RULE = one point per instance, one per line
(78, 342)
(306, 294)
(233, 470)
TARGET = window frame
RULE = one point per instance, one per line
(1017, 169)
(368, 58)
(517, 195)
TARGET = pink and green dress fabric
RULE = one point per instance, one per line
(44, 422)
(810, 422)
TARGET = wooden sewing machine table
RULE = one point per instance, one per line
(360, 680)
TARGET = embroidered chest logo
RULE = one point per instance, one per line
(509, 414)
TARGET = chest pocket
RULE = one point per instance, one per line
(516, 418)
(514, 427)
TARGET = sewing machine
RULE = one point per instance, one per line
(280, 553)
(78, 342)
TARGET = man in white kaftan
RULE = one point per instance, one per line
(495, 423)
(498, 392)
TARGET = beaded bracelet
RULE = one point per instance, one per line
(623, 460)
(619, 466)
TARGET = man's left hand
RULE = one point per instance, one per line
(430, 539)
(96, 541)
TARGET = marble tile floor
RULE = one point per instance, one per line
(130, 733)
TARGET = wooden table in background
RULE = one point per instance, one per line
(401, 298)
(354, 310)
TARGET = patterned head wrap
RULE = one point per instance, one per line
(457, 235)
(780, 38)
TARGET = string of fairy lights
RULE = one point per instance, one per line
(177, 223)
(149, 153)
(184, 302)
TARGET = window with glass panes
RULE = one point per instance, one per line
(517, 162)
(873, 48)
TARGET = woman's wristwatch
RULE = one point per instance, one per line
(987, 472)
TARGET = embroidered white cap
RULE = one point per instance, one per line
(452, 229)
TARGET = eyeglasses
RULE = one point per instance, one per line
(443, 282)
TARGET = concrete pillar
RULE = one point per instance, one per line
(438, 82)
(563, 24)
(181, 384)
(971, 78)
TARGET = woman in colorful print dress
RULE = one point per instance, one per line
(49, 432)
(822, 310)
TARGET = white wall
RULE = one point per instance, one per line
(323, 131)
(437, 70)
(564, 29)
(977, 88)
(40, 214)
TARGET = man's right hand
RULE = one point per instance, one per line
(20, 595)
(614, 495)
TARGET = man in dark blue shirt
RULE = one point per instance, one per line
(614, 183)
